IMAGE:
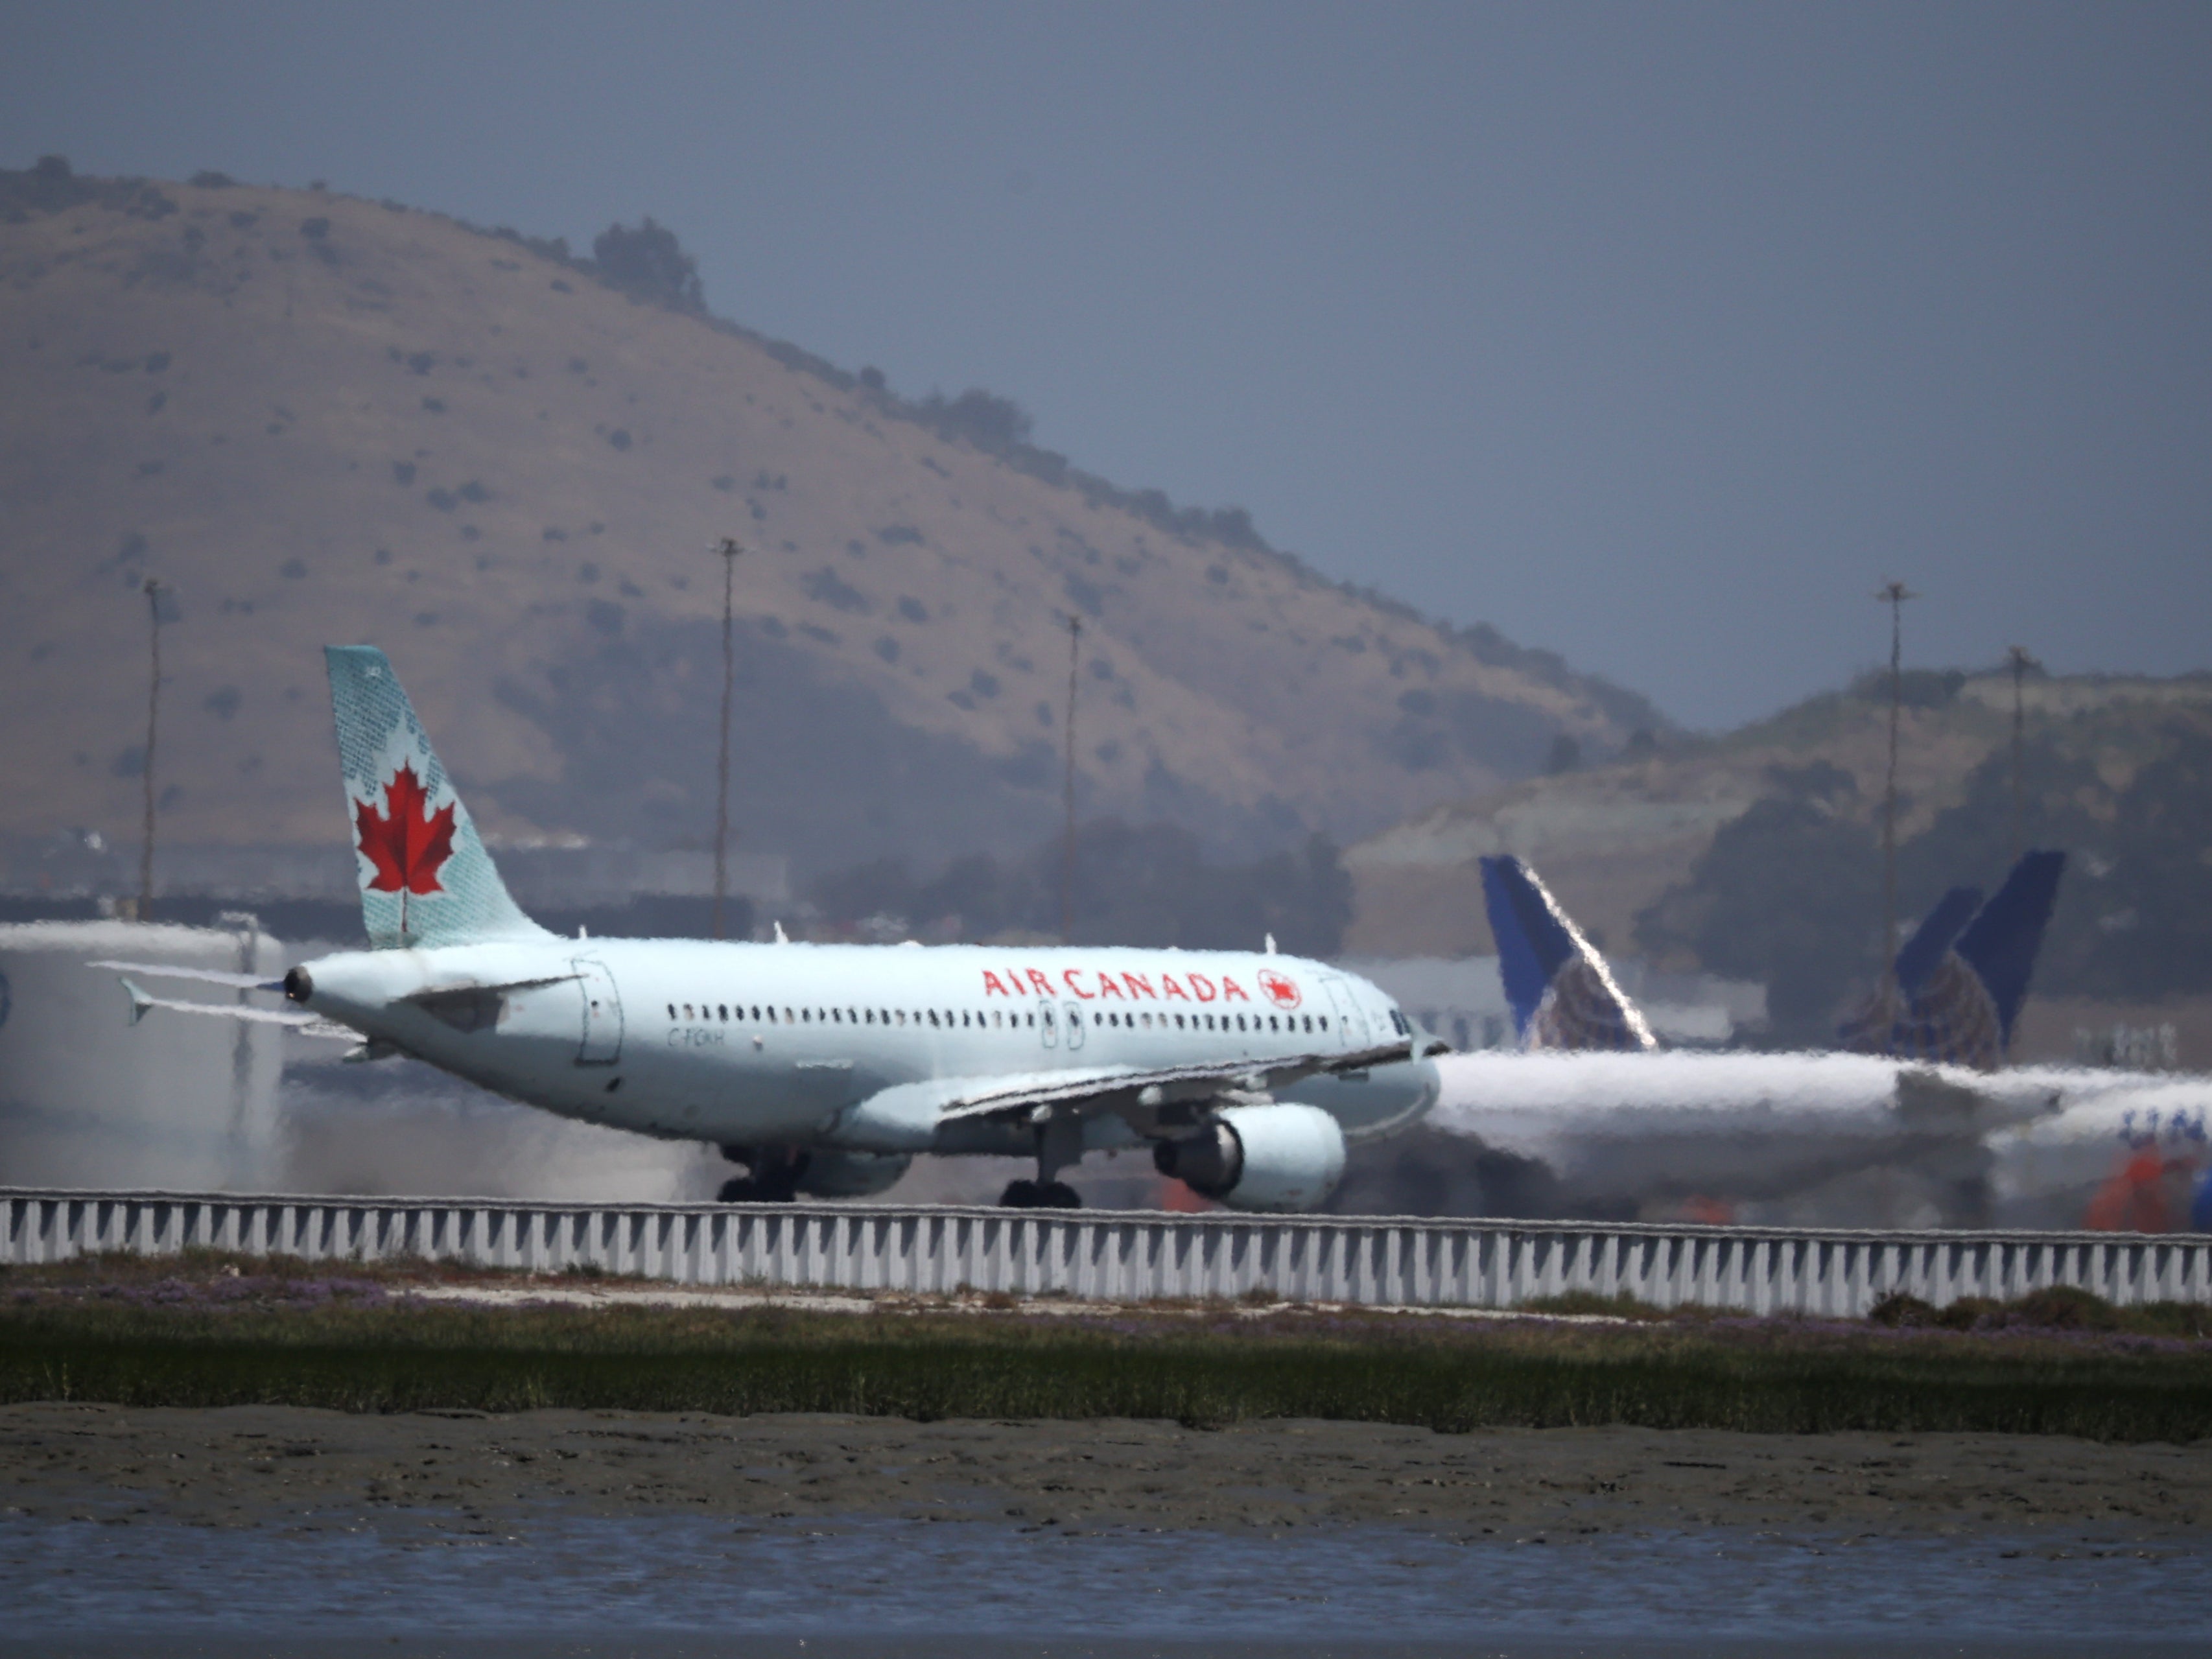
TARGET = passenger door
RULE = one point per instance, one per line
(603, 1014)
(1350, 1023)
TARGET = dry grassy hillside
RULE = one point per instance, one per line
(322, 419)
(1612, 840)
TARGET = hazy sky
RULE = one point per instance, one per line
(1657, 334)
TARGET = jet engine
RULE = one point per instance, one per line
(1284, 1156)
(836, 1172)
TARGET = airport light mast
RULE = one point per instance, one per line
(728, 549)
(152, 588)
(1067, 851)
(2021, 662)
(1893, 594)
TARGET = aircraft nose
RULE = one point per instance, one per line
(299, 985)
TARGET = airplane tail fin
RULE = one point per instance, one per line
(2000, 945)
(425, 877)
(1938, 931)
(1562, 993)
(1961, 977)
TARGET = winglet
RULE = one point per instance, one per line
(140, 1004)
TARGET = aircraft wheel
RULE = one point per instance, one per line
(1020, 1195)
(1059, 1195)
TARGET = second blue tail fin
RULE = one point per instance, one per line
(1920, 956)
(1962, 977)
(2000, 945)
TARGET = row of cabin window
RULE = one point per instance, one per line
(998, 1017)
(840, 1016)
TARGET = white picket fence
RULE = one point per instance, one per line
(1128, 1257)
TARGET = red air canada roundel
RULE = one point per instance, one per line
(1279, 989)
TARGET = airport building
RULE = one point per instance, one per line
(81, 1104)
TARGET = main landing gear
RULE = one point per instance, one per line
(1059, 1144)
(1040, 1196)
(772, 1175)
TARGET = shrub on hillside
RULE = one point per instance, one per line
(649, 263)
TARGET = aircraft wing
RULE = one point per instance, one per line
(1106, 1088)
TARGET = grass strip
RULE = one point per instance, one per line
(1203, 1382)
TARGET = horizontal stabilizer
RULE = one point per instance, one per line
(204, 975)
(144, 1002)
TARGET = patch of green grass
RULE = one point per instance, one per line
(1446, 1374)
(2058, 1308)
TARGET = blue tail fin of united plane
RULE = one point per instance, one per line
(425, 877)
(1964, 974)
(1562, 994)
(2000, 945)
(1938, 931)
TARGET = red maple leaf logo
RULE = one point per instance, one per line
(1280, 990)
(408, 847)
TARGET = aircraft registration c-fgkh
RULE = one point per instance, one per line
(824, 1068)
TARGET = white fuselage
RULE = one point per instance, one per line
(747, 1044)
(1634, 1126)
(2047, 1172)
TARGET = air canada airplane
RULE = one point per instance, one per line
(822, 1069)
(1614, 1124)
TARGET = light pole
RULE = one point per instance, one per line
(153, 591)
(728, 549)
(1893, 594)
(1067, 851)
(2021, 661)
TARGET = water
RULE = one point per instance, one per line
(906, 1587)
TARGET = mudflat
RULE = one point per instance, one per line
(250, 1465)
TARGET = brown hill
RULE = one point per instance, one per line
(1756, 854)
(319, 419)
